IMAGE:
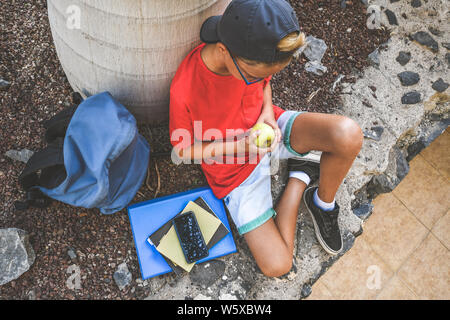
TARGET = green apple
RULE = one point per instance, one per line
(266, 135)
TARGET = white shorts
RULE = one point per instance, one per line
(250, 204)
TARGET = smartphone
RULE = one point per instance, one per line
(191, 238)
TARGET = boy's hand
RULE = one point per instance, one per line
(248, 144)
(268, 117)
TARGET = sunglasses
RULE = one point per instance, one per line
(240, 72)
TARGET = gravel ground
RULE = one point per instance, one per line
(39, 89)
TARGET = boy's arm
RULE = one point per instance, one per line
(267, 114)
(204, 151)
(200, 150)
(267, 98)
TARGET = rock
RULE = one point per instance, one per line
(315, 49)
(374, 133)
(363, 211)
(391, 17)
(439, 85)
(446, 45)
(396, 170)
(4, 85)
(122, 276)
(206, 274)
(16, 254)
(378, 185)
(343, 4)
(365, 2)
(23, 155)
(447, 57)
(416, 3)
(408, 78)
(393, 1)
(411, 97)
(374, 57)
(425, 39)
(435, 31)
(306, 291)
(315, 67)
(72, 254)
(414, 149)
(403, 57)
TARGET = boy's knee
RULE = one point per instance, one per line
(348, 136)
(278, 268)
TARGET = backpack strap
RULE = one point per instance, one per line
(77, 98)
(50, 163)
(57, 125)
(34, 198)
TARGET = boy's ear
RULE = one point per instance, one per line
(222, 48)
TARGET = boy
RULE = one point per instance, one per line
(220, 91)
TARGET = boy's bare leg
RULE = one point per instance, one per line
(272, 244)
(287, 207)
(340, 140)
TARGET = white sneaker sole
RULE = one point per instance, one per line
(313, 156)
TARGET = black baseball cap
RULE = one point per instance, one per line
(252, 28)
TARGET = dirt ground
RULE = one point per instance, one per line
(39, 89)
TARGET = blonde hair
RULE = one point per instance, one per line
(289, 43)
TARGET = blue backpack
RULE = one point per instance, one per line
(95, 158)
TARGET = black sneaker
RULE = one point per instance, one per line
(325, 223)
(310, 166)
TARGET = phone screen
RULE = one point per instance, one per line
(190, 236)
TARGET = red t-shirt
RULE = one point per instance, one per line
(204, 105)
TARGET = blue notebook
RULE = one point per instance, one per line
(146, 217)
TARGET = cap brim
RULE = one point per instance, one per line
(208, 31)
